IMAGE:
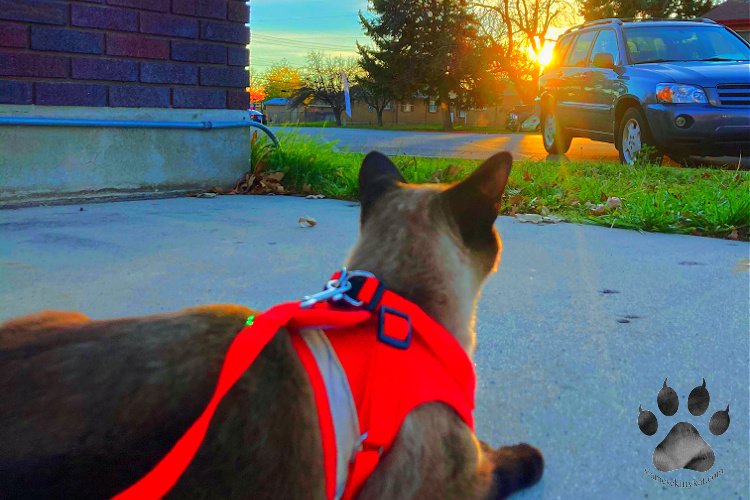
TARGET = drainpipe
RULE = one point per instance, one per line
(82, 122)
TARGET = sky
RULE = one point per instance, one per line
(289, 29)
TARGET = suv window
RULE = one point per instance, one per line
(683, 43)
(577, 55)
(606, 42)
(558, 54)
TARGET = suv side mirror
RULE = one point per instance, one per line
(604, 60)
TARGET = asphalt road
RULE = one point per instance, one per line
(560, 362)
(455, 145)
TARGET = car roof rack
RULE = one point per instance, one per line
(609, 20)
(621, 20)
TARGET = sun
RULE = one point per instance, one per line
(544, 57)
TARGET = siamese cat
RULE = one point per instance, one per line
(89, 407)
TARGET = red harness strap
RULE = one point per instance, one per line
(410, 360)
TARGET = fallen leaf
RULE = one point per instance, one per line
(516, 200)
(452, 171)
(613, 202)
(734, 235)
(598, 210)
(552, 219)
(307, 222)
(602, 196)
(532, 218)
(274, 176)
(205, 195)
(527, 176)
(544, 211)
(307, 188)
(706, 175)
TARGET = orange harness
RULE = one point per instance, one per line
(356, 338)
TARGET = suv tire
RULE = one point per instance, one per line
(556, 141)
(633, 133)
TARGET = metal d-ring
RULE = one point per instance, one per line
(335, 290)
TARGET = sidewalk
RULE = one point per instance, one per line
(560, 363)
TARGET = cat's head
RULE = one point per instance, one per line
(433, 244)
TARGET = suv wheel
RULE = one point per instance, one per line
(633, 135)
(556, 142)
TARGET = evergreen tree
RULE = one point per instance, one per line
(426, 46)
(599, 9)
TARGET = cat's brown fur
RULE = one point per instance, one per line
(88, 407)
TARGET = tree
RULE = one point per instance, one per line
(427, 46)
(321, 81)
(374, 93)
(280, 80)
(519, 31)
(598, 9)
(257, 94)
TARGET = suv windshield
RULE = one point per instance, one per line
(683, 43)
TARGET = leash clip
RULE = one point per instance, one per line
(336, 289)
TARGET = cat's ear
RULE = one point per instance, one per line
(377, 175)
(475, 202)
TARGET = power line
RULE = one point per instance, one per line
(265, 37)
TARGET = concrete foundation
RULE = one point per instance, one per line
(53, 163)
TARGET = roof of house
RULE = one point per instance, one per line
(277, 101)
(731, 9)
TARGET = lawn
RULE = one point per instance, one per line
(699, 201)
(426, 127)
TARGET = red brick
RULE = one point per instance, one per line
(238, 11)
(157, 5)
(216, 9)
(105, 69)
(13, 35)
(199, 98)
(238, 99)
(38, 65)
(138, 97)
(225, 32)
(158, 72)
(90, 16)
(199, 52)
(34, 11)
(237, 56)
(12, 92)
(168, 25)
(66, 40)
(137, 46)
(70, 94)
(224, 76)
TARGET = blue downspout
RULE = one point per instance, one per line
(82, 122)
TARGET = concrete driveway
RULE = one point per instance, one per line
(580, 325)
(454, 145)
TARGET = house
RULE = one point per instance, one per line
(422, 110)
(121, 96)
(279, 110)
(734, 14)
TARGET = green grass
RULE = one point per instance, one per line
(426, 127)
(710, 202)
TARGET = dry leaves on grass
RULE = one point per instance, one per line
(446, 174)
(611, 203)
(538, 219)
(307, 222)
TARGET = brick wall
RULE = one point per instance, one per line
(124, 53)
